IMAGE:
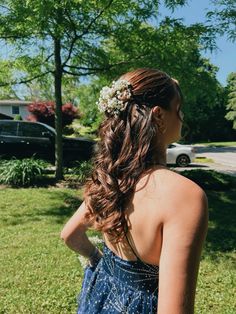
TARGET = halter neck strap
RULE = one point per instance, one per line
(129, 245)
(132, 248)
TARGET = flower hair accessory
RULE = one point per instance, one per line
(114, 99)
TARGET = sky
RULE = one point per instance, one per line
(225, 57)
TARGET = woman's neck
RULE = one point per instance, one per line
(159, 158)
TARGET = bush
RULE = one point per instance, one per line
(18, 117)
(78, 129)
(22, 172)
(45, 112)
(80, 171)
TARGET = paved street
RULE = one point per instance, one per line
(222, 155)
(224, 159)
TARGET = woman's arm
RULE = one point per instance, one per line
(184, 232)
(74, 233)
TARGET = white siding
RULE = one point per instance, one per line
(7, 110)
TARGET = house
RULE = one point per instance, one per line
(10, 108)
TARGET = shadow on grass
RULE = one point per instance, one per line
(69, 204)
(221, 193)
(211, 179)
(192, 165)
(56, 204)
(222, 221)
(60, 205)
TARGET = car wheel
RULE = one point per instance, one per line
(182, 160)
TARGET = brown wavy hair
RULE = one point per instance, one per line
(128, 145)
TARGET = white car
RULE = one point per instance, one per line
(181, 155)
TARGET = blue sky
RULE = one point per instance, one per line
(225, 56)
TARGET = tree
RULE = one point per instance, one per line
(223, 18)
(67, 37)
(207, 122)
(42, 88)
(231, 99)
(173, 48)
(7, 91)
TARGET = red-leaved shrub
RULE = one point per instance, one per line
(44, 111)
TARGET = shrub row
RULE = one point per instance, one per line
(30, 171)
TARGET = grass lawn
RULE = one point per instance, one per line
(203, 160)
(219, 144)
(39, 274)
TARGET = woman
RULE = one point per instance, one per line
(153, 220)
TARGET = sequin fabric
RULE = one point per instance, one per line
(116, 285)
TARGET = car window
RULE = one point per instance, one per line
(8, 129)
(31, 129)
(171, 146)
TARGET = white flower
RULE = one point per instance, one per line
(110, 99)
(84, 260)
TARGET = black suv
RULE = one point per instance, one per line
(23, 139)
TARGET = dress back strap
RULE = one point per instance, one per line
(132, 248)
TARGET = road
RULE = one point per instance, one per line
(224, 159)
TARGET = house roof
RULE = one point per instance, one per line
(15, 102)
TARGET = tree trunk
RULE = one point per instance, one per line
(58, 111)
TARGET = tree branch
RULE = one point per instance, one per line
(76, 36)
(94, 20)
(6, 8)
(79, 74)
(25, 81)
(108, 67)
(85, 68)
(45, 60)
(96, 70)
(13, 36)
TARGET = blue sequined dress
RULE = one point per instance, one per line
(116, 285)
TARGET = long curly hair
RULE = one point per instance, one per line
(128, 145)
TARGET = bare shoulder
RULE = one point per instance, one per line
(180, 195)
(171, 180)
(185, 223)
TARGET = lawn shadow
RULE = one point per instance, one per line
(69, 204)
(192, 165)
(221, 236)
(220, 189)
(221, 192)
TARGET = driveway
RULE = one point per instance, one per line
(224, 159)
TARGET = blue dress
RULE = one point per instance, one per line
(116, 285)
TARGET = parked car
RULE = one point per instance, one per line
(181, 155)
(23, 139)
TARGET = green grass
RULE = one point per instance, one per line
(203, 160)
(39, 274)
(219, 144)
(216, 280)
(211, 179)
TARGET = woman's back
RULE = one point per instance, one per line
(153, 202)
(167, 220)
(145, 218)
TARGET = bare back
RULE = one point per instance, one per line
(168, 221)
(145, 216)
